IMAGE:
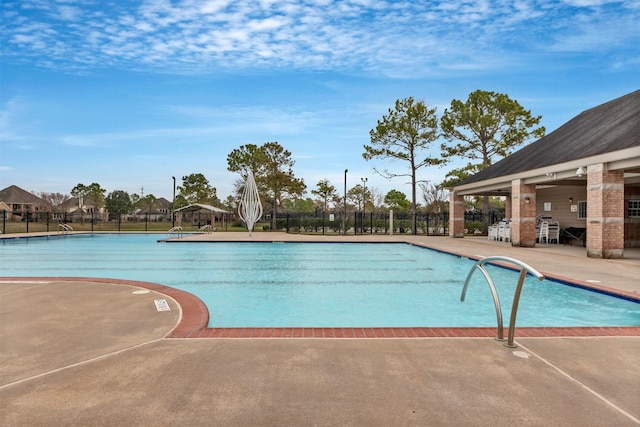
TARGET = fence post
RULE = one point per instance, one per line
(371, 223)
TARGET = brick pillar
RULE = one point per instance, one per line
(605, 212)
(523, 214)
(507, 207)
(456, 215)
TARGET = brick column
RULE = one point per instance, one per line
(507, 207)
(523, 214)
(605, 212)
(456, 215)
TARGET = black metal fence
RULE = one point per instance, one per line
(353, 223)
(357, 223)
(33, 222)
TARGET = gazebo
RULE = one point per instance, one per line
(205, 213)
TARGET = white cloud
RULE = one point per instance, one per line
(382, 37)
(69, 13)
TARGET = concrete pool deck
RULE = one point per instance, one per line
(96, 352)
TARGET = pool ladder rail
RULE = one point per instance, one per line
(524, 269)
(64, 228)
(175, 232)
(208, 229)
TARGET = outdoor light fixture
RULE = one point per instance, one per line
(364, 192)
(527, 200)
(580, 171)
(570, 199)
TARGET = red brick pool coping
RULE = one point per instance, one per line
(195, 318)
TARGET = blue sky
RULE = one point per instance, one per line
(130, 93)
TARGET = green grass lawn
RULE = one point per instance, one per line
(12, 227)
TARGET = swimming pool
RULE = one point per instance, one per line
(315, 284)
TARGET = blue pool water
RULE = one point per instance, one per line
(316, 284)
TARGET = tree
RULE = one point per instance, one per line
(56, 199)
(279, 179)
(195, 188)
(91, 192)
(397, 201)
(300, 205)
(435, 197)
(455, 176)
(436, 202)
(247, 158)
(360, 196)
(375, 198)
(146, 203)
(118, 202)
(272, 168)
(487, 125)
(325, 191)
(230, 203)
(403, 135)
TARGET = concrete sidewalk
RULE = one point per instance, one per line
(94, 353)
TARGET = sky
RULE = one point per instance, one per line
(129, 94)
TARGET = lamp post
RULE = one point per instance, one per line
(344, 217)
(173, 204)
(364, 203)
(364, 193)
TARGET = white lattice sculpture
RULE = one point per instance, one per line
(250, 208)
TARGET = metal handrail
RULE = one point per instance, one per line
(524, 269)
(175, 231)
(64, 228)
(206, 229)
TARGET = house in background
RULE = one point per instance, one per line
(22, 203)
(161, 211)
(79, 209)
(585, 175)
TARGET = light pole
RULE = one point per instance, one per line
(344, 217)
(364, 203)
(173, 204)
(364, 194)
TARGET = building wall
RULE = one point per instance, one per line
(559, 197)
(631, 225)
(561, 209)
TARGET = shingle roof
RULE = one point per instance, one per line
(609, 127)
(75, 202)
(15, 194)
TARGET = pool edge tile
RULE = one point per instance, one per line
(195, 318)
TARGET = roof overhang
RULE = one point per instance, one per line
(558, 174)
(198, 207)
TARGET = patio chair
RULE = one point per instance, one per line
(507, 232)
(554, 232)
(544, 232)
(493, 232)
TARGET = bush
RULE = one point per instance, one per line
(473, 226)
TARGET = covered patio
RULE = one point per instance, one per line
(584, 176)
(203, 215)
